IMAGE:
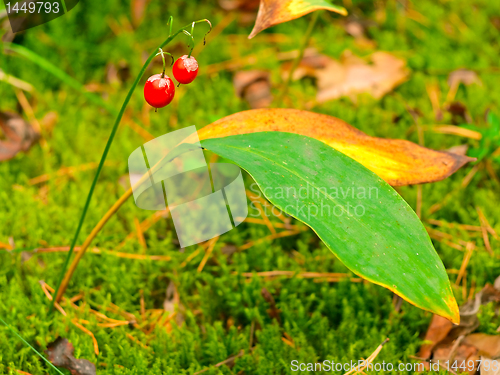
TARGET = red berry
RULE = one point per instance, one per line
(185, 69)
(159, 91)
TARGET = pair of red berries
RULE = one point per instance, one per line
(159, 89)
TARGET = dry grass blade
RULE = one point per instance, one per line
(468, 254)
(305, 275)
(140, 234)
(47, 290)
(96, 250)
(225, 362)
(67, 171)
(94, 341)
(485, 224)
(264, 217)
(268, 238)
(456, 130)
(359, 369)
(211, 246)
(276, 225)
(16, 82)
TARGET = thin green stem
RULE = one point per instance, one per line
(171, 23)
(64, 6)
(57, 72)
(298, 59)
(103, 159)
(163, 53)
(28, 344)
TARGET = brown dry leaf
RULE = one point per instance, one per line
(172, 303)
(467, 77)
(352, 76)
(459, 150)
(398, 162)
(357, 29)
(457, 343)
(274, 12)
(255, 87)
(487, 345)
(308, 66)
(273, 311)
(460, 354)
(241, 5)
(437, 331)
(60, 353)
(488, 367)
(18, 134)
(459, 113)
(138, 9)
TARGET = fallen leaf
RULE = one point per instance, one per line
(273, 312)
(254, 86)
(398, 162)
(241, 5)
(138, 10)
(172, 303)
(437, 331)
(352, 75)
(462, 353)
(308, 66)
(19, 135)
(459, 113)
(60, 353)
(467, 77)
(457, 343)
(357, 29)
(488, 366)
(117, 74)
(487, 345)
(459, 150)
(274, 12)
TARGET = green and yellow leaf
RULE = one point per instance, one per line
(274, 12)
(398, 162)
(359, 217)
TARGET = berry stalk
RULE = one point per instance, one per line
(65, 277)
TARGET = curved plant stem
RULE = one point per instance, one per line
(298, 59)
(61, 287)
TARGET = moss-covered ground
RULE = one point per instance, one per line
(219, 311)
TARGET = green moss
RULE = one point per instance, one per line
(335, 321)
